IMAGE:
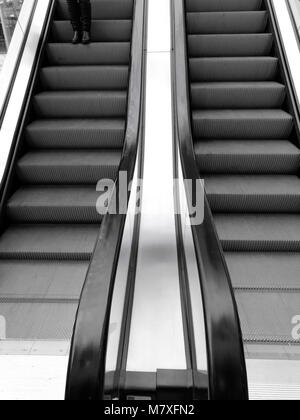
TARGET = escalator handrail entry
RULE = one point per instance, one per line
(225, 352)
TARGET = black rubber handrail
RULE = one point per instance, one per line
(86, 373)
(225, 351)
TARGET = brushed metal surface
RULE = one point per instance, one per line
(156, 339)
(14, 107)
(11, 58)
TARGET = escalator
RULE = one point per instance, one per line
(71, 136)
(246, 141)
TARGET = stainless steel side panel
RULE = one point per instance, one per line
(157, 338)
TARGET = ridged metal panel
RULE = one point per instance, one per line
(69, 166)
(102, 9)
(222, 5)
(227, 22)
(102, 31)
(97, 53)
(255, 95)
(248, 157)
(76, 134)
(233, 69)
(228, 45)
(80, 78)
(107, 104)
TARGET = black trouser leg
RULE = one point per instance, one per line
(85, 15)
(74, 11)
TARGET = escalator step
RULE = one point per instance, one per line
(222, 5)
(101, 9)
(237, 95)
(228, 45)
(41, 321)
(68, 167)
(41, 279)
(253, 194)
(77, 134)
(277, 324)
(102, 31)
(49, 242)
(259, 233)
(97, 53)
(264, 271)
(90, 104)
(247, 124)
(84, 78)
(57, 204)
(227, 22)
(233, 69)
(247, 157)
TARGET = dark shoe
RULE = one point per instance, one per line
(86, 37)
(76, 39)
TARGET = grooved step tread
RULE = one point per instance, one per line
(264, 270)
(76, 133)
(91, 104)
(259, 194)
(252, 184)
(259, 233)
(230, 45)
(238, 124)
(247, 156)
(236, 69)
(276, 309)
(68, 78)
(41, 279)
(222, 5)
(67, 166)
(227, 22)
(101, 9)
(55, 204)
(96, 53)
(102, 31)
(43, 321)
(49, 242)
(236, 95)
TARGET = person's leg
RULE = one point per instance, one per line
(86, 19)
(74, 12)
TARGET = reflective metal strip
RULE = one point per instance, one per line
(289, 41)
(15, 46)
(193, 277)
(295, 7)
(117, 308)
(14, 107)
